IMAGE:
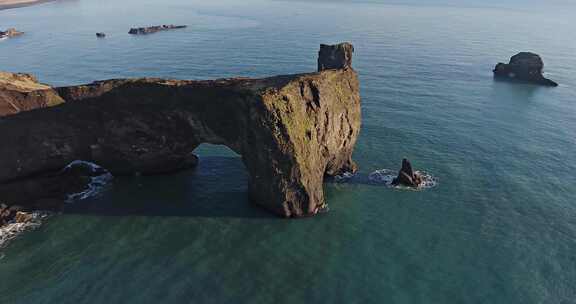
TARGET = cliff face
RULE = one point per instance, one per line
(22, 92)
(290, 130)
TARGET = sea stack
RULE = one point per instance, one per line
(524, 67)
(335, 57)
(291, 130)
(407, 177)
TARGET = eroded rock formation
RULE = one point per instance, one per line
(407, 176)
(524, 67)
(290, 130)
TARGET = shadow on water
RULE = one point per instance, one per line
(515, 90)
(216, 188)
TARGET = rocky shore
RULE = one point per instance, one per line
(13, 214)
(154, 29)
(291, 130)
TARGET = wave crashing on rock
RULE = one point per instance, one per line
(386, 177)
(99, 178)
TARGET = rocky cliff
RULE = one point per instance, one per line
(290, 130)
(22, 92)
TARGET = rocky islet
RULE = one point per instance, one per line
(524, 67)
(154, 29)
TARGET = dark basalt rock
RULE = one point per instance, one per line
(337, 56)
(524, 67)
(154, 29)
(291, 131)
(101, 35)
(407, 177)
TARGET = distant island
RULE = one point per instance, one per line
(154, 29)
(6, 4)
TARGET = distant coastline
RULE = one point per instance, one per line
(6, 4)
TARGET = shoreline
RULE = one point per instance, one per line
(8, 4)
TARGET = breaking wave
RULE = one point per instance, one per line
(97, 183)
(344, 177)
(384, 177)
(100, 179)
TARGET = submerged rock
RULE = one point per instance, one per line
(154, 29)
(9, 33)
(337, 56)
(407, 177)
(524, 67)
(291, 131)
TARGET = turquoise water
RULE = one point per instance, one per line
(500, 227)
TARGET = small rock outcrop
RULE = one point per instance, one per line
(154, 29)
(407, 177)
(22, 92)
(13, 214)
(100, 35)
(291, 131)
(524, 67)
(336, 57)
(9, 33)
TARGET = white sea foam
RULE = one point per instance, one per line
(382, 176)
(96, 184)
(12, 230)
(343, 177)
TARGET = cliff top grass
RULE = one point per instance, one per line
(21, 82)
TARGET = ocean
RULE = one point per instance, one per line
(498, 226)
